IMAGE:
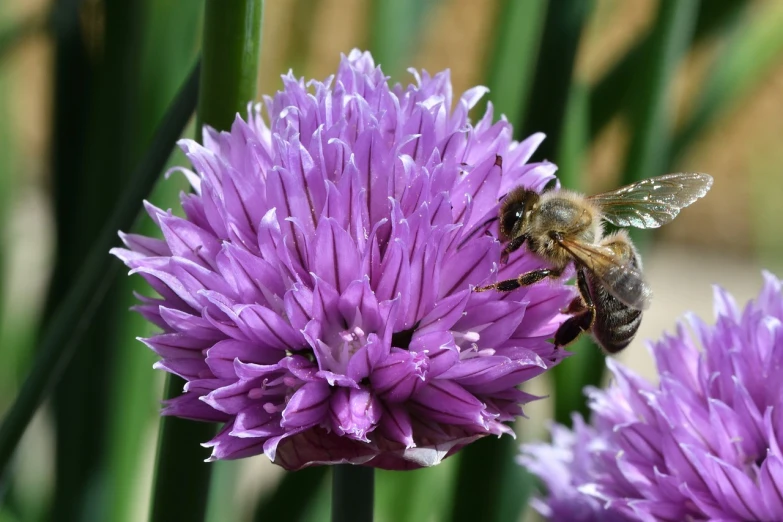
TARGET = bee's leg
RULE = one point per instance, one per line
(584, 289)
(584, 300)
(576, 306)
(582, 320)
(525, 279)
(574, 326)
(512, 246)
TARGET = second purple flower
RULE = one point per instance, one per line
(703, 444)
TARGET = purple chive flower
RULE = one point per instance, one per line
(705, 444)
(316, 296)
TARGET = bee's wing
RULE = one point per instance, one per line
(619, 277)
(652, 202)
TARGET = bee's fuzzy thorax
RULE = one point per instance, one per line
(577, 199)
(567, 213)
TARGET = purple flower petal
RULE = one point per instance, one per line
(307, 406)
(398, 377)
(449, 403)
(355, 413)
(395, 425)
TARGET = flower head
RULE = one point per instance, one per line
(316, 296)
(704, 444)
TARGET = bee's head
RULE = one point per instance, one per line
(515, 211)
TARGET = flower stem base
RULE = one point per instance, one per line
(353, 489)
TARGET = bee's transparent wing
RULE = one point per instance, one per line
(619, 277)
(652, 202)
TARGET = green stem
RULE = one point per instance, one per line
(181, 475)
(395, 31)
(353, 489)
(648, 152)
(172, 37)
(229, 77)
(11, 37)
(85, 197)
(512, 58)
(546, 109)
(584, 368)
(231, 51)
(294, 495)
(488, 472)
(60, 339)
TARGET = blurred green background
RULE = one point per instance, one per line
(624, 90)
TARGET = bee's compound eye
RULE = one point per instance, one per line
(510, 216)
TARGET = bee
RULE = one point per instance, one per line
(564, 227)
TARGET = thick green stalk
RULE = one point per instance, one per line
(85, 198)
(546, 109)
(491, 487)
(294, 494)
(61, 335)
(182, 477)
(8, 159)
(394, 31)
(585, 368)
(427, 492)
(512, 59)
(353, 490)
(16, 327)
(231, 52)
(671, 37)
(574, 144)
(221, 502)
(229, 77)
(169, 46)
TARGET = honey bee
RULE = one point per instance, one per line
(564, 227)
